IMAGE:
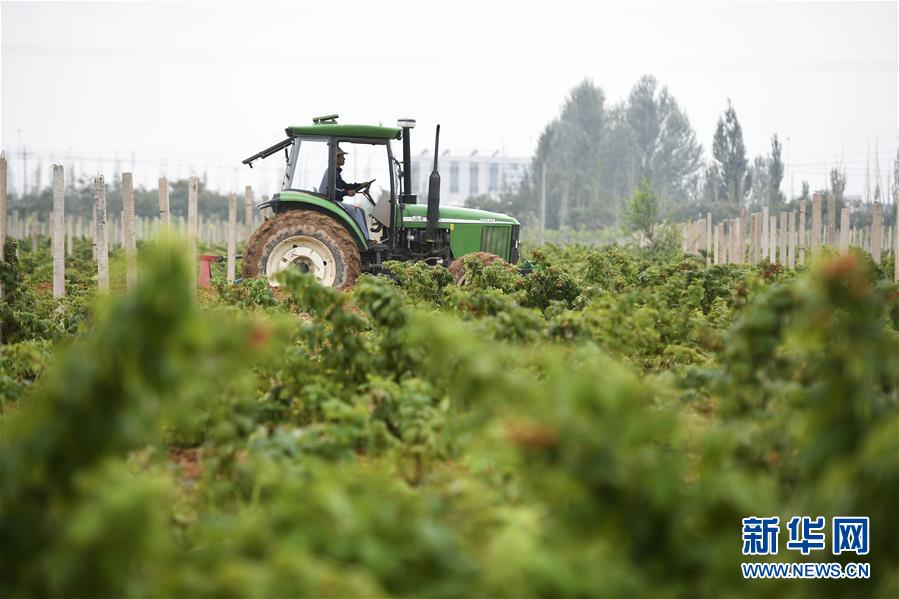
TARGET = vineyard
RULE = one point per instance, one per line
(598, 427)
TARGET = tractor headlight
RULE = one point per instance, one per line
(406, 123)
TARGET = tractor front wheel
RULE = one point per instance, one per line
(305, 240)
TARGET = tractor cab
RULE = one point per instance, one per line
(347, 205)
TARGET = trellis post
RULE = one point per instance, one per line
(58, 243)
(232, 236)
(101, 243)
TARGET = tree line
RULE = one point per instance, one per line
(597, 156)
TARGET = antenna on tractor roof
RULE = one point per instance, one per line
(328, 119)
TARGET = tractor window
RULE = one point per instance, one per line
(311, 166)
(364, 162)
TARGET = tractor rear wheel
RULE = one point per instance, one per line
(460, 272)
(306, 240)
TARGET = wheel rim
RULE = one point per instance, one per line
(304, 253)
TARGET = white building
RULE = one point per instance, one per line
(464, 176)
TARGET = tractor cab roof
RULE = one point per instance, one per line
(332, 129)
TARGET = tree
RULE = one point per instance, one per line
(664, 146)
(642, 212)
(729, 153)
(775, 173)
(761, 184)
(581, 125)
(838, 183)
(594, 155)
(806, 195)
(571, 146)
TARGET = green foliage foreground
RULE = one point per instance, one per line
(598, 428)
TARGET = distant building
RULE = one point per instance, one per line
(464, 176)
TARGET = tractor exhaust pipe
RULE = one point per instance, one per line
(434, 193)
(407, 197)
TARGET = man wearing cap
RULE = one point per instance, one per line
(343, 189)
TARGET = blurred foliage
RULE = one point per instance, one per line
(596, 428)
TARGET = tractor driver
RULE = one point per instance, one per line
(343, 189)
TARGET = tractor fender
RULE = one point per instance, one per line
(287, 201)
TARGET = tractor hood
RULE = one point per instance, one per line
(415, 213)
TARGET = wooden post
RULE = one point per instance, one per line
(130, 241)
(816, 224)
(831, 220)
(164, 214)
(2, 219)
(248, 210)
(877, 233)
(844, 231)
(101, 242)
(772, 239)
(232, 236)
(58, 242)
(802, 238)
(193, 230)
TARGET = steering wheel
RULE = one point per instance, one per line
(364, 190)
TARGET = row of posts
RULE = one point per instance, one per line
(784, 239)
(212, 231)
(127, 231)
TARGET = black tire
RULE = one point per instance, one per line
(310, 228)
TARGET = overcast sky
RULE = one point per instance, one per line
(194, 87)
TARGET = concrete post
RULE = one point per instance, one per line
(716, 242)
(844, 231)
(782, 258)
(877, 233)
(58, 243)
(130, 240)
(772, 239)
(802, 237)
(232, 236)
(816, 224)
(248, 210)
(543, 204)
(193, 229)
(791, 241)
(753, 231)
(101, 242)
(831, 220)
(164, 214)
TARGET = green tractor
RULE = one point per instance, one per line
(338, 233)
